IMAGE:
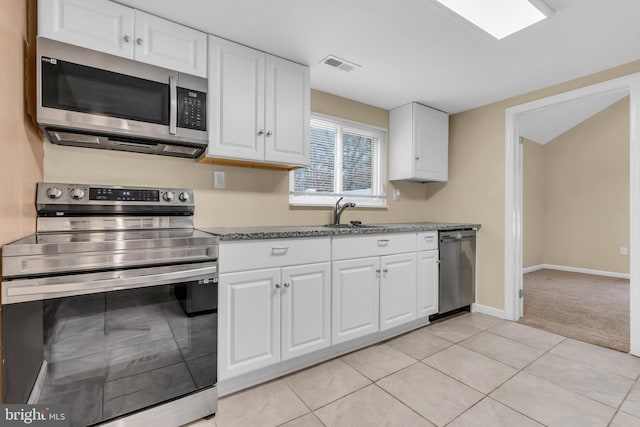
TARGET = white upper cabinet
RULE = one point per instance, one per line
(287, 112)
(111, 28)
(169, 45)
(94, 24)
(259, 109)
(236, 100)
(419, 144)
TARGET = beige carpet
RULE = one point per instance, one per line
(593, 309)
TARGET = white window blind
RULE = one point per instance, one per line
(347, 159)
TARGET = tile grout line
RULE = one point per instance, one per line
(617, 411)
(404, 404)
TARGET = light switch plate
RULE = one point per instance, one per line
(624, 251)
(218, 179)
(396, 194)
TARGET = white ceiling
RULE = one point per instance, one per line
(543, 126)
(416, 50)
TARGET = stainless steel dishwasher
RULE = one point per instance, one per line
(457, 270)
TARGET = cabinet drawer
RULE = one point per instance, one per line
(427, 240)
(347, 247)
(251, 255)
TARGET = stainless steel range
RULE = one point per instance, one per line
(110, 309)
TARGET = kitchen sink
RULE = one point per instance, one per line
(354, 226)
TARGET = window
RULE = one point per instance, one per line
(346, 159)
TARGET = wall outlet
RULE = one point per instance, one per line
(624, 251)
(396, 194)
(218, 179)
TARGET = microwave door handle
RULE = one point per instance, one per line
(173, 106)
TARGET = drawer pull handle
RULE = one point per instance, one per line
(385, 271)
(280, 251)
(383, 242)
(278, 285)
(428, 238)
(286, 285)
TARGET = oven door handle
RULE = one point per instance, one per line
(53, 287)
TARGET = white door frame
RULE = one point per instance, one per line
(513, 192)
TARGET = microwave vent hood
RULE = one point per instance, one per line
(106, 142)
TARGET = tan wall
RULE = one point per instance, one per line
(533, 198)
(251, 196)
(577, 187)
(21, 146)
(476, 188)
(587, 193)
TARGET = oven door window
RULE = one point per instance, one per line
(74, 87)
(112, 353)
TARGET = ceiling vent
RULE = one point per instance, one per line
(341, 64)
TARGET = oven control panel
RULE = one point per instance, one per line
(106, 195)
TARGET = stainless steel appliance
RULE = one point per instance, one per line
(457, 270)
(111, 307)
(91, 99)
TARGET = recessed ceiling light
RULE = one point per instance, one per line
(500, 18)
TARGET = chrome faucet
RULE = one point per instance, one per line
(337, 210)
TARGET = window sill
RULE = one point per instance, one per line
(360, 204)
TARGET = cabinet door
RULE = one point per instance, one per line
(94, 24)
(355, 295)
(287, 112)
(169, 45)
(428, 272)
(397, 290)
(430, 143)
(236, 107)
(249, 321)
(306, 309)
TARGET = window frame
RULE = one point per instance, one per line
(380, 178)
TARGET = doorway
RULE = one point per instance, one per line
(515, 117)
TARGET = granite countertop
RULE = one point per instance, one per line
(288, 232)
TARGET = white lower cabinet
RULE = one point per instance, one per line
(374, 284)
(271, 315)
(249, 316)
(428, 274)
(397, 290)
(355, 298)
(306, 309)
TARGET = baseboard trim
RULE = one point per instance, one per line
(485, 309)
(533, 268)
(576, 270)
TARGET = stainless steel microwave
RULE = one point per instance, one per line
(91, 99)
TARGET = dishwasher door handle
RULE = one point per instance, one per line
(456, 239)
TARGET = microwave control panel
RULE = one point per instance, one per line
(192, 109)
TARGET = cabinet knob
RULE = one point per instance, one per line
(286, 285)
(385, 271)
(378, 271)
(139, 42)
(269, 133)
(127, 39)
(417, 157)
(261, 132)
(278, 285)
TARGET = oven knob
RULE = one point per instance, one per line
(54, 193)
(168, 196)
(184, 197)
(77, 193)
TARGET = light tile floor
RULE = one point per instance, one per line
(472, 370)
